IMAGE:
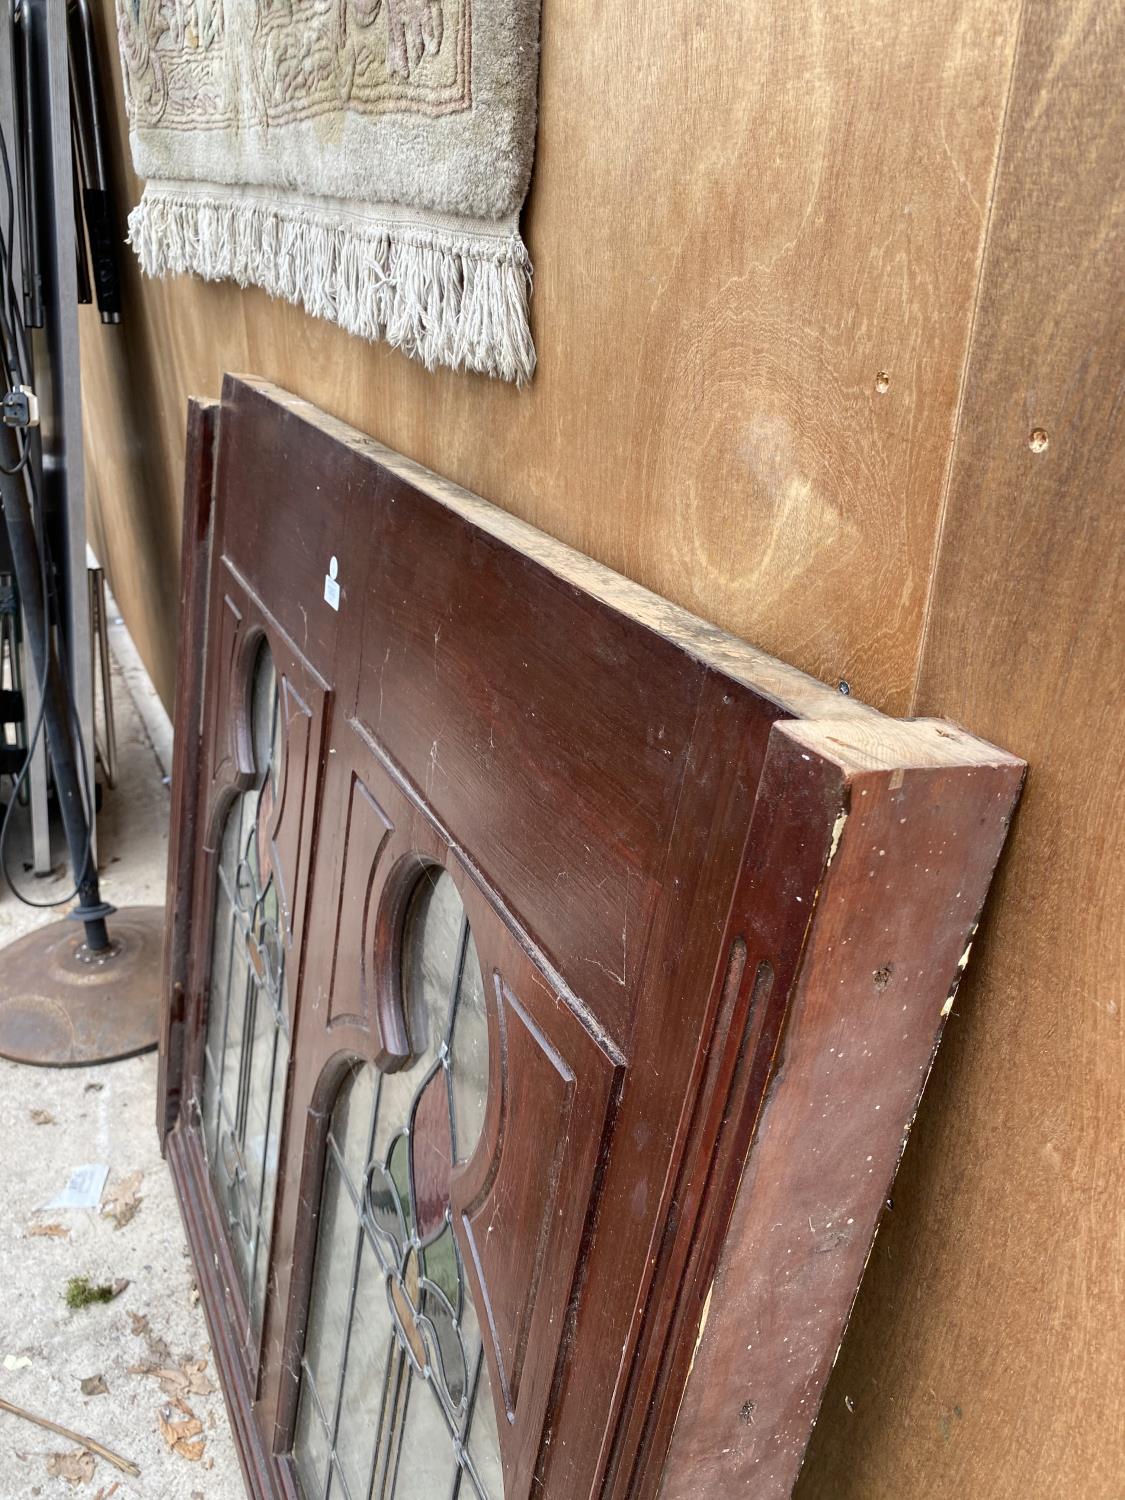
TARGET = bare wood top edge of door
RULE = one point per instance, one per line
(793, 691)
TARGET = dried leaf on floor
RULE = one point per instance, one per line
(47, 1231)
(181, 1429)
(160, 1357)
(195, 1372)
(122, 1201)
(94, 1385)
(42, 1117)
(75, 1468)
(104, 1494)
(186, 1379)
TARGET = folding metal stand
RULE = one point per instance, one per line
(66, 997)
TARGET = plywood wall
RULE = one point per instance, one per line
(807, 277)
(721, 274)
(988, 1355)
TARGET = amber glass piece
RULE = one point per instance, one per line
(404, 1290)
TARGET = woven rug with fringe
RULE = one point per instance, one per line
(366, 159)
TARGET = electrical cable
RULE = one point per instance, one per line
(10, 316)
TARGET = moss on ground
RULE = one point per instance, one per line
(81, 1292)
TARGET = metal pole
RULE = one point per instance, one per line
(91, 910)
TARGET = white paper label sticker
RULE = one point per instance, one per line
(84, 1190)
(331, 587)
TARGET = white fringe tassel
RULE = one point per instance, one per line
(442, 297)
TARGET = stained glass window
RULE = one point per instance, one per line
(247, 1045)
(395, 1400)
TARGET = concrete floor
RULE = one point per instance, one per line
(103, 1114)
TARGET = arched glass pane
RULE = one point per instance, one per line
(247, 1043)
(395, 1401)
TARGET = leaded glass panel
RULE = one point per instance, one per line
(247, 1043)
(395, 1401)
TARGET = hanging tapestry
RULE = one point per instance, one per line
(366, 159)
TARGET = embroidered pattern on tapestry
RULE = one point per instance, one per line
(309, 58)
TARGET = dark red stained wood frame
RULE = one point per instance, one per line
(721, 911)
(183, 834)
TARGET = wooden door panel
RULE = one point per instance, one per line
(352, 986)
(239, 624)
(242, 622)
(523, 1220)
(692, 877)
(291, 816)
(553, 1077)
(362, 842)
(223, 761)
(282, 549)
(492, 682)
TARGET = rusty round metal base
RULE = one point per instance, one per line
(63, 1007)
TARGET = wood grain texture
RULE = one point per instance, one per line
(985, 1357)
(740, 216)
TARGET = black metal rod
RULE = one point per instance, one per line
(26, 561)
(27, 162)
(89, 125)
